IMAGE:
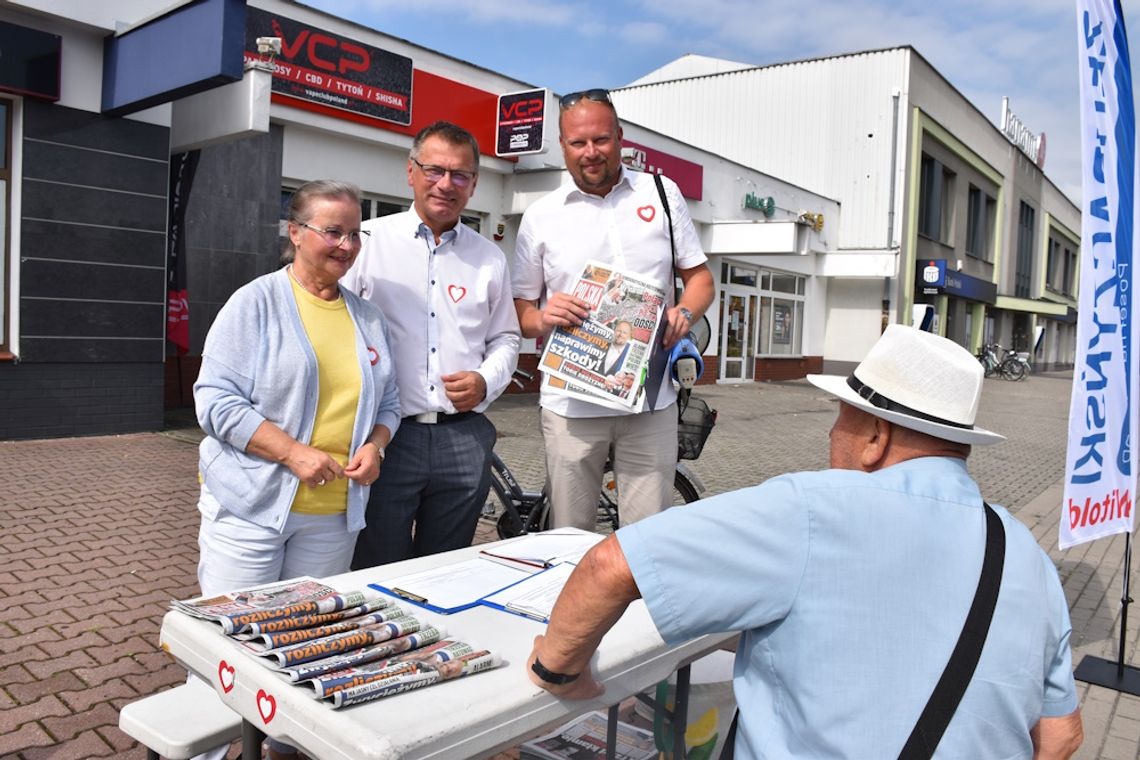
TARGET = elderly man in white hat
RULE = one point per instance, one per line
(886, 609)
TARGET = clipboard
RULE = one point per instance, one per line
(532, 597)
(448, 589)
(539, 551)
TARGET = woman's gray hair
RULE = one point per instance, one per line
(300, 204)
(303, 197)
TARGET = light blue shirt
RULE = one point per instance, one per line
(851, 589)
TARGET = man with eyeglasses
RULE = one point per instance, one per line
(612, 215)
(445, 290)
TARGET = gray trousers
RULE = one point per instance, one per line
(432, 487)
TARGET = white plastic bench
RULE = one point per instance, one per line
(180, 723)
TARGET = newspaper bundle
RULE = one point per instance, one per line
(442, 661)
(346, 647)
(239, 610)
(585, 737)
(357, 657)
(605, 359)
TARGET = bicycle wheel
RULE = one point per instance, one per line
(510, 522)
(1012, 369)
(684, 489)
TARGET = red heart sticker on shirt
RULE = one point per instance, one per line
(226, 676)
(266, 705)
(647, 213)
(456, 292)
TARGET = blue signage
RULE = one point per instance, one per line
(933, 277)
(193, 48)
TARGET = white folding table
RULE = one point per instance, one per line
(472, 716)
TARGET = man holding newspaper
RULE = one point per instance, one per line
(590, 254)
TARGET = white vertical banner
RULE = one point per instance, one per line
(1100, 475)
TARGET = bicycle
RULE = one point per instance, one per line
(1005, 363)
(526, 511)
(989, 359)
(1010, 364)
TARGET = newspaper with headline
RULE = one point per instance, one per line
(239, 610)
(605, 360)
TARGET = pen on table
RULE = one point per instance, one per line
(531, 615)
(409, 596)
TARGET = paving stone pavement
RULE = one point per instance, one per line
(100, 533)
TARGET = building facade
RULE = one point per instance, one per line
(946, 216)
(146, 169)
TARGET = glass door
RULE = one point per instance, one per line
(737, 336)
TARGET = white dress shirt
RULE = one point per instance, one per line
(566, 228)
(449, 307)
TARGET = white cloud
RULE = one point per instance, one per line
(644, 33)
(485, 12)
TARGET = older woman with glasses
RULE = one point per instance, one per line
(298, 399)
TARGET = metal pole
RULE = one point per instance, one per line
(1124, 602)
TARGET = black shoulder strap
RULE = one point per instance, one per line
(964, 659)
(659, 358)
(668, 218)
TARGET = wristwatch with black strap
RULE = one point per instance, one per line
(558, 679)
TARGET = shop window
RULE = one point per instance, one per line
(935, 200)
(780, 321)
(784, 283)
(1069, 273)
(1023, 271)
(370, 208)
(981, 215)
(739, 275)
(1051, 265)
(5, 184)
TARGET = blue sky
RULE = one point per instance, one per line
(1026, 49)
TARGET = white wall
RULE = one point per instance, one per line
(824, 124)
(854, 318)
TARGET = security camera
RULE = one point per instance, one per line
(269, 45)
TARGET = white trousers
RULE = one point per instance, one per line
(235, 553)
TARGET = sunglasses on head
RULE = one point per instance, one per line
(598, 95)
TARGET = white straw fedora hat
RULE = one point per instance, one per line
(917, 380)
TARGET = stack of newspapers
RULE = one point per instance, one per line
(347, 647)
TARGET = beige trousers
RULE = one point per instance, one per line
(644, 456)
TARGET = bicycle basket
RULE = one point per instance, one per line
(693, 427)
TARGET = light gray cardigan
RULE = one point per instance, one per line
(258, 365)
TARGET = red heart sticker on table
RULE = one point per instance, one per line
(456, 292)
(266, 705)
(647, 213)
(226, 676)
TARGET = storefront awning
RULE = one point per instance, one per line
(755, 237)
(1031, 306)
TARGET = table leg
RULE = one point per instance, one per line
(680, 712)
(251, 739)
(611, 734)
